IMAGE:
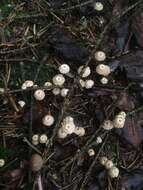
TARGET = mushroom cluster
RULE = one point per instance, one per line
(42, 139)
(68, 127)
(102, 69)
(84, 72)
(113, 171)
(118, 122)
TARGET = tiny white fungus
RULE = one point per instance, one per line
(39, 95)
(21, 103)
(91, 152)
(58, 80)
(48, 120)
(98, 6)
(103, 70)
(100, 56)
(113, 172)
(2, 162)
(56, 91)
(89, 84)
(43, 138)
(80, 131)
(84, 71)
(64, 69)
(64, 92)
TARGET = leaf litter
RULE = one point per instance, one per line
(38, 36)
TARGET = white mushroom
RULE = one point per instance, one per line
(108, 164)
(119, 120)
(89, 84)
(113, 172)
(64, 69)
(103, 160)
(104, 80)
(103, 70)
(35, 137)
(68, 127)
(39, 95)
(122, 113)
(27, 84)
(56, 91)
(68, 119)
(98, 6)
(84, 71)
(98, 140)
(48, 84)
(21, 103)
(64, 92)
(80, 131)
(100, 56)
(48, 120)
(91, 152)
(82, 83)
(2, 162)
(58, 80)
(43, 139)
(62, 134)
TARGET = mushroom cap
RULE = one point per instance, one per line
(100, 56)
(89, 84)
(98, 6)
(113, 172)
(64, 92)
(119, 122)
(62, 134)
(91, 152)
(36, 162)
(108, 164)
(39, 95)
(84, 71)
(64, 69)
(2, 162)
(56, 91)
(58, 80)
(103, 70)
(103, 160)
(48, 120)
(80, 131)
(68, 127)
(43, 138)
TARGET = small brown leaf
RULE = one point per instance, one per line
(125, 102)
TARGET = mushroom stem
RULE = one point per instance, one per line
(39, 181)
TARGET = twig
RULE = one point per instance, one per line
(39, 182)
(31, 146)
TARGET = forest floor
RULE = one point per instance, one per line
(36, 38)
